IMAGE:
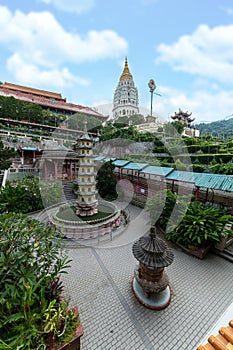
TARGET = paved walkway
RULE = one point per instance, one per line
(99, 282)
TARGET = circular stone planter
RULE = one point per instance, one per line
(86, 229)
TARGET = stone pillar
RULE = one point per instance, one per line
(71, 173)
(22, 157)
(34, 156)
(45, 171)
(55, 169)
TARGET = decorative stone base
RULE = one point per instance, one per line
(157, 301)
(83, 213)
(87, 229)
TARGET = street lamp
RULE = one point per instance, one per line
(152, 87)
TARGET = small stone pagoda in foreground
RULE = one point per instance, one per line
(150, 282)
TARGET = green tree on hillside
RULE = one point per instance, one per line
(5, 154)
(77, 122)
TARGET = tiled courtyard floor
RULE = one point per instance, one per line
(99, 282)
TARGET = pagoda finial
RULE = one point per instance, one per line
(126, 73)
(85, 126)
(153, 231)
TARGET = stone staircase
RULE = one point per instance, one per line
(68, 191)
(226, 251)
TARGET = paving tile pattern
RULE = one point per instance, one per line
(99, 282)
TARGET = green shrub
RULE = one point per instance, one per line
(31, 262)
(200, 226)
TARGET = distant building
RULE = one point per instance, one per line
(125, 101)
(183, 117)
(47, 100)
(186, 119)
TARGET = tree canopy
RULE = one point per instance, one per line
(106, 181)
(5, 154)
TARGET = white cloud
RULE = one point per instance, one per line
(205, 105)
(206, 53)
(37, 40)
(29, 73)
(76, 6)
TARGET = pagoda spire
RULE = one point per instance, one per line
(126, 73)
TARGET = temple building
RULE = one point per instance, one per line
(183, 117)
(125, 101)
(186, 119)
(47, 100)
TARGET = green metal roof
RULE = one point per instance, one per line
(135, 166)
(99, 158)
(184, 176)
(157, 170)
(121, 162)
(108, 159)
(85, 136)
(214, 181)
(27, 148)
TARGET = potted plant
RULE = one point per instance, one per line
(200, 227)
(34, 314)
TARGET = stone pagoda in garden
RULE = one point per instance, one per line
(150, 282)
(87, 202)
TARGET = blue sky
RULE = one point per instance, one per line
(78, 47)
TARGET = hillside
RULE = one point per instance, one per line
(220, 128)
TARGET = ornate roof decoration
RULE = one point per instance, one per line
(126, 73)
(183, 117)
(152, 251)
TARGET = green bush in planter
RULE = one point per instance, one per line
(200, 226)
(31, 262)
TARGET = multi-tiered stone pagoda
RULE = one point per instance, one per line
(87, 201)
(125, 101)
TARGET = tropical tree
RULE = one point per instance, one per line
(106, 181)
(6, 154)
(78, 121)
(174, 127)
(28, 195)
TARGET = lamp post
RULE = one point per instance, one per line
(152, 87)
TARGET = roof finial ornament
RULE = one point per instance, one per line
(85, 126)
(153, 232)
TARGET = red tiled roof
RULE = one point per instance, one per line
(29, 90)
(222, 341)
(46, 99)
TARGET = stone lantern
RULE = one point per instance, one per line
(150, 282)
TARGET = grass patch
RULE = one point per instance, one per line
(70, 215)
